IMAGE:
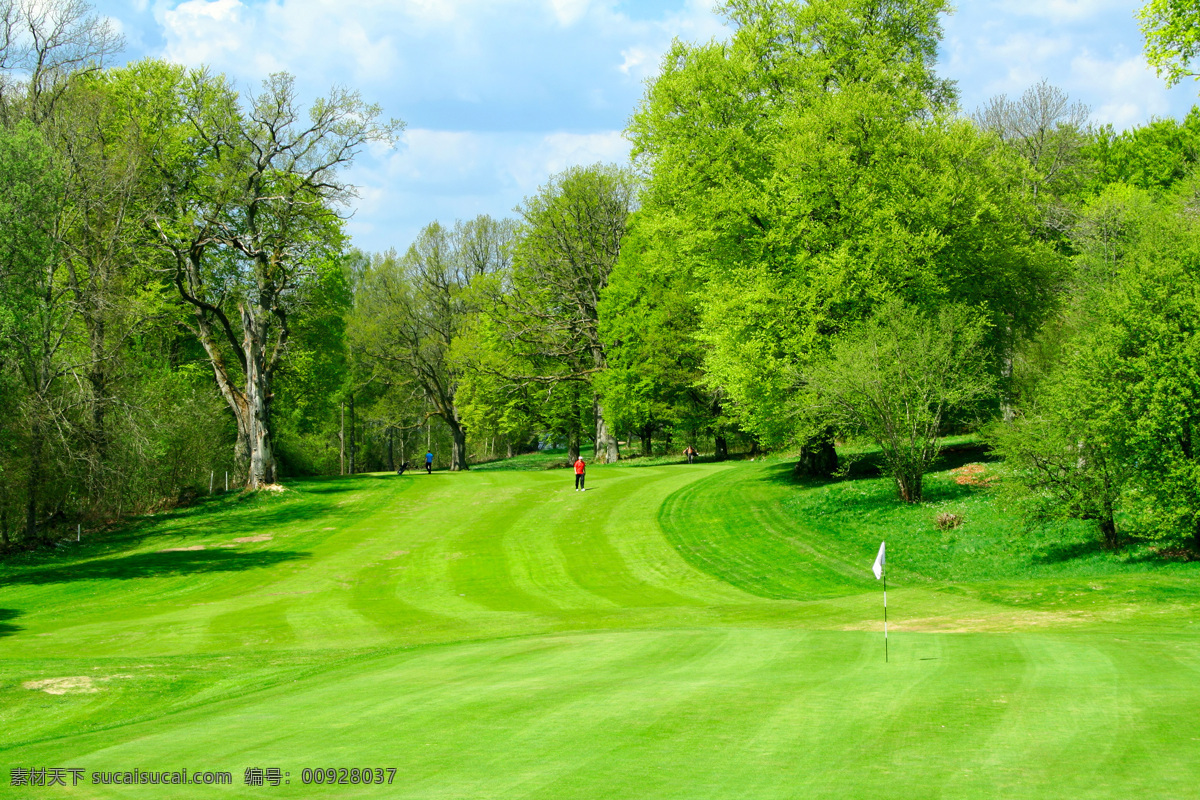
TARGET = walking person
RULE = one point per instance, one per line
(429, 462)
(580, 468)
(691, 453)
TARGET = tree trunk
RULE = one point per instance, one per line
(35, 481)
(342, 440)
(353, 448)
(458, 446)
(573, 444)
(509, 448)
(1007, 412)
(1108, 526)
(818, 457)
(909, 486)
(721, 448)
(391, 457)
(262, 455)
(646, 434)
(606, 444)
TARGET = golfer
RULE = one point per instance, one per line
(429, 462)
(580, 467)
(691, 453)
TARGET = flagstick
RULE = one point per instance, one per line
(885, 647)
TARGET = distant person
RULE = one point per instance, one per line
(580, 468)
(400, 469)
(429, 462)
(691, 453)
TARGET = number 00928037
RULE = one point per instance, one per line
(344, 775)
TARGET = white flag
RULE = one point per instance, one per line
(879, 561)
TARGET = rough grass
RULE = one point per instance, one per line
(705, 631)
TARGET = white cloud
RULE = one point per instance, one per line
(204, 31)
(637, 60)
(1131, 92)
(568, 12)
(448, 175)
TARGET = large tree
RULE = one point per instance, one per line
(250, 219)
(812, 167)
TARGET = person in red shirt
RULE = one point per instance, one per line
(580, 467)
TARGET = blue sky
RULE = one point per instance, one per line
(498, 95)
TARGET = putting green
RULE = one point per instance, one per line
(674, 632)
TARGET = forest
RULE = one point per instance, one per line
(813, 244)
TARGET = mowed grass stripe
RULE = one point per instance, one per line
(731, 526)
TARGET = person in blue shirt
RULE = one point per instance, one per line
(429, 462)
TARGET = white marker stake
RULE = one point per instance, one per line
(78, 532)
(879, 568)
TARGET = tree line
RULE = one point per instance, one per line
(813, 242)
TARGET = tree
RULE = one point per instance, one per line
(35, 319)
(1110, 432)
(410, 311)
(1172, 31)
(249, 220)
(48, 44)
(895, 378)
(1062, 463)
(547, 312)
(1154, 156)
(812, 168)
(1049, 133)
(648, 319)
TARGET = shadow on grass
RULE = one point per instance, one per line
(156, 565)
(6, 627)
(1061, 552)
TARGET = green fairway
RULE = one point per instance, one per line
(704, 631)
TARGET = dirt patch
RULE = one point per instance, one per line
(80, 684)
(191, 549)
(272, 487)
(262, 537)
(395, 554)
(973, 475)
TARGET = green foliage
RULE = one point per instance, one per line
(1154, 156)
(1108, 432)
(1172, 31)
(803, 183)
(895, 379)
(648, 322)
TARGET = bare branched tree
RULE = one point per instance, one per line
(1043, 125)
(43, 44)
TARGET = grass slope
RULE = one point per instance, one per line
(705, 631)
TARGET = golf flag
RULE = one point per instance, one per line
(879, 561)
